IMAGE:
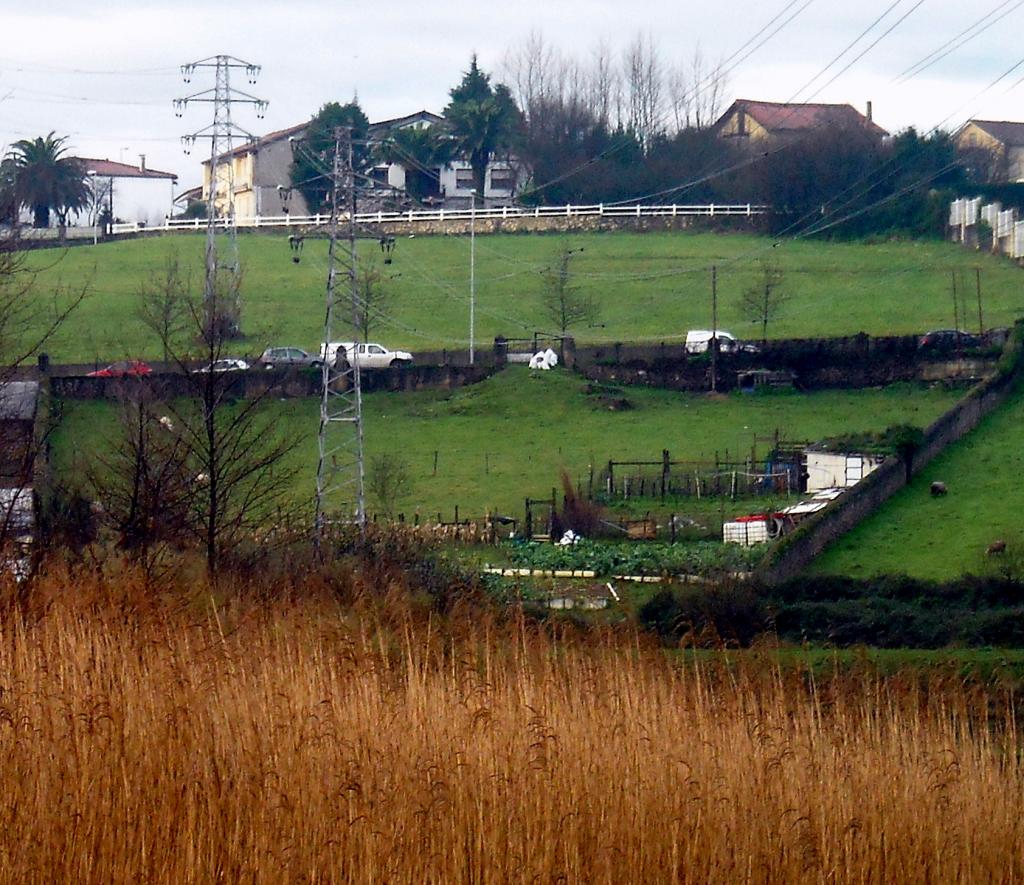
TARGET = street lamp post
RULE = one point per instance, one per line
(472, 277)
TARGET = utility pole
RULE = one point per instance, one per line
(221, 193)
(340, 487)
(981, 319)
(713, 343)
(956, 317)
(472, 278)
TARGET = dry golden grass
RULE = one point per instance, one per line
(150, 740)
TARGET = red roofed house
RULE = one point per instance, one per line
(757, 122)
(133, 197)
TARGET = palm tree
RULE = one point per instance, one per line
(482, 120)
(46, 179)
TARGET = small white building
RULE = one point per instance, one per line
(129, 192)
(837, 470)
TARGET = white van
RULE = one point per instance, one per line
(698, 341)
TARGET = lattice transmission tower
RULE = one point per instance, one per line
(221, 296)
(340, 490)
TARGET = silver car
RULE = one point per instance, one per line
(283, 357)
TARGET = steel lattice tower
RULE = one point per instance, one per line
(222, 277)
(340, 493)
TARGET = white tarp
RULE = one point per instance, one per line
(541, 360)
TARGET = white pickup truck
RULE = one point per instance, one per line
(369, 355)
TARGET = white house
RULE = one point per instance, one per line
(132, 192)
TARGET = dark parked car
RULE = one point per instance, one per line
(123, 369)
(948, 339)
(282, 357)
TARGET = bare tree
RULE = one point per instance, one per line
(163, 304)
(99, 199)
(644, 78)
(388, 482)
(696, 92)
(234, 452)
(762, 301)
(142, 482)
(531, 70)
(561, 299)
(604, 88)
(374, 300)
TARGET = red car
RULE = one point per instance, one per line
(123, 369)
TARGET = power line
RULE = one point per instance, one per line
(956, 42)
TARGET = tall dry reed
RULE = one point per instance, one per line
(193, 738)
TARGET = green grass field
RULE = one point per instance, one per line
(943, 537)
(648, 287)
(507, 437)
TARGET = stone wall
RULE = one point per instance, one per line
(853, 362)
(793, 553)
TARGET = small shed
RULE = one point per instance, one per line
(837, 470)
(18, 403)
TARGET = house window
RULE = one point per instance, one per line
(379, 174)
(464, 179)
(503, 180)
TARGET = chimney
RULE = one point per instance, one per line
(142, 157)
(870, 110)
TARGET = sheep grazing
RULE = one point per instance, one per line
(996, 548)
(938, 489)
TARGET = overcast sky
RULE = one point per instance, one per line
(106, 73)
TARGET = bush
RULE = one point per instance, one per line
(733, 614)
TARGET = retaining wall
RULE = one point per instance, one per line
(853, 362)
(789, 556)
(283, 383)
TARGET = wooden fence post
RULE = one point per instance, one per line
(665, 469)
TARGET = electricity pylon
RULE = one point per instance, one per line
(340, 491)
(222, 278)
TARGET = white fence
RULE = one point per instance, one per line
(1007, 231)
(413, 216)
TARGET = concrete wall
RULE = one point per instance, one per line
(794, 552)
